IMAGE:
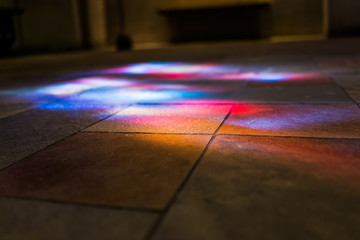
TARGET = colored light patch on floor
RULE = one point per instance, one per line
(67, 91)
(270, 94)
(114, 95)
(99, 109)
(255, 76)
(203, 119)
(331, 121)
(171, 82)
(82, 84)
(188, 71)
(141, 68)
(278, 78)
(106, 169)
(172, 70)
(290, 80)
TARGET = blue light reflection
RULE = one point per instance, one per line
(147, 82)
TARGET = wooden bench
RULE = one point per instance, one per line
(201, 20)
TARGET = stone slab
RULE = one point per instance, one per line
(270, 188)
(39, 220)
(132, 170)
(328, 121)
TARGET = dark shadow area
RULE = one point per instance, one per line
(222, 23)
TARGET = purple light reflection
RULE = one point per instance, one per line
(152, 82)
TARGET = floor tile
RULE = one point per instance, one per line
(31, 131)
(270, 188)
(140, 171)
(165, 119)
(38, 220)
(329, 121)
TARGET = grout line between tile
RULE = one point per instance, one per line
(27, 110)
(291, 137)
(157, 224)
(90, 205)
(221, 134)
(149, 133)
(62, 139)
(344, 90)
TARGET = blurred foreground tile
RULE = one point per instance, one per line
(140, 171)
(329, 121)
(39, 220)
(165, 119)
(31, 131)
(270, 188)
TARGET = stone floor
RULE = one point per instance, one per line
(217, 141)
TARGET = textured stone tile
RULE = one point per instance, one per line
(9, 110)
(33, 220)
(270, 188)
(330, 121)
(31, 131)
(165, 119)
(141, 171)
